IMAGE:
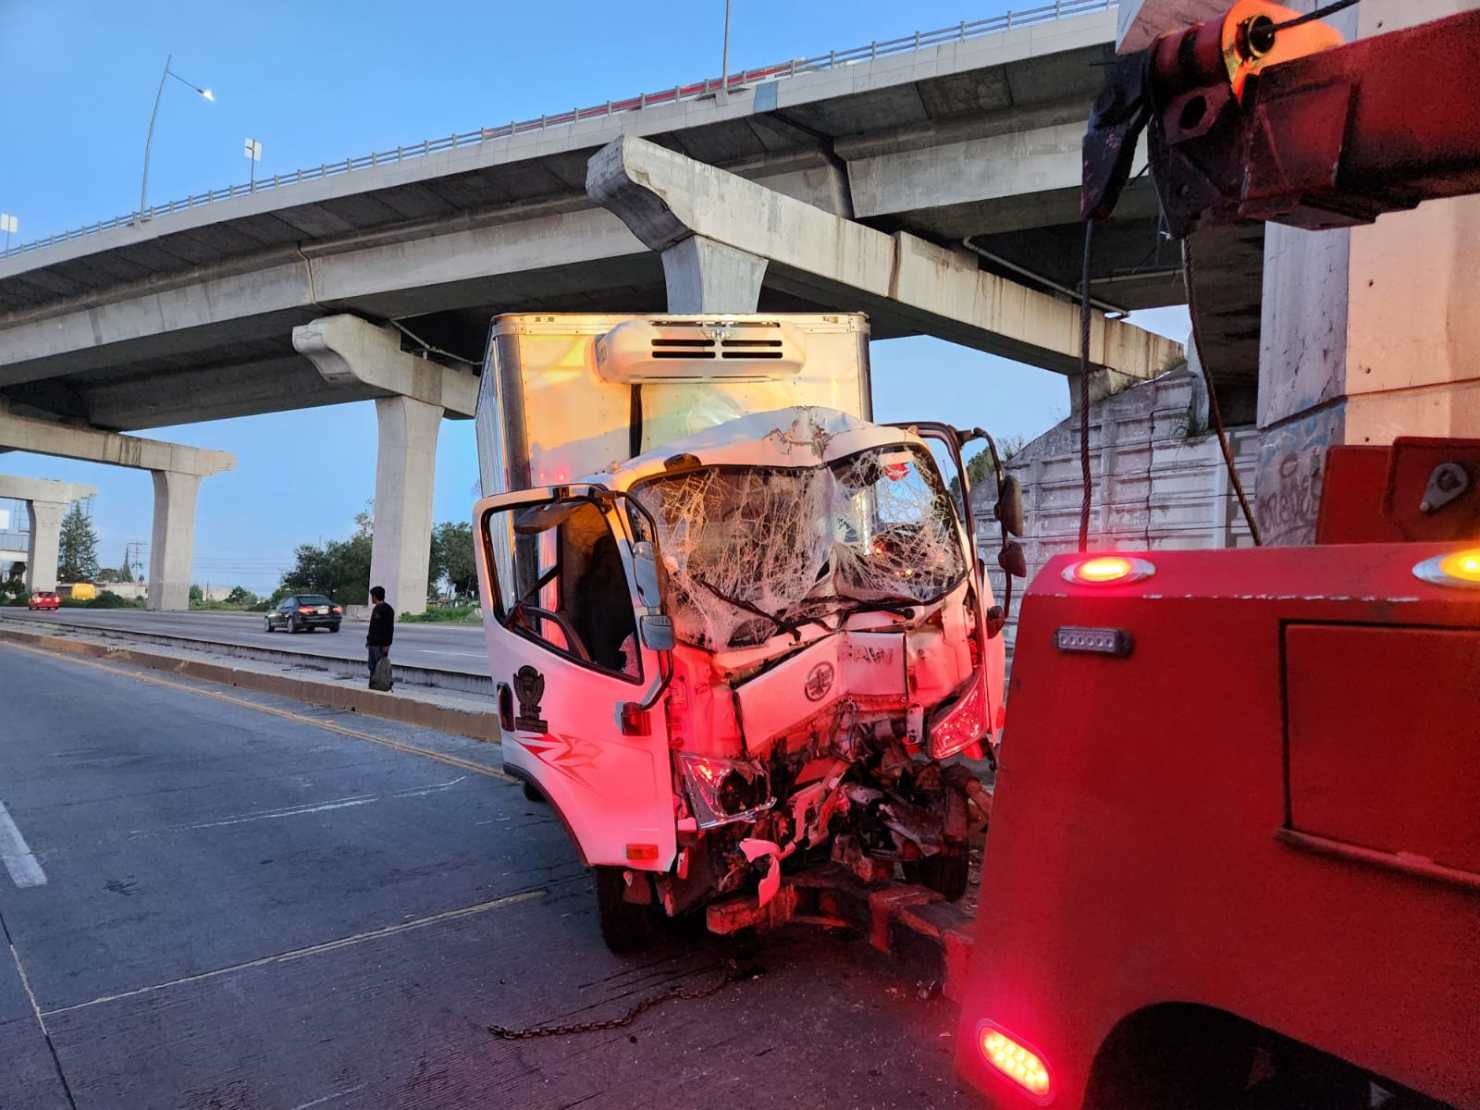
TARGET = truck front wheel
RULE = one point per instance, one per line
(625, 926)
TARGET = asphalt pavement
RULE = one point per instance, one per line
(220, 899)
(448, 647)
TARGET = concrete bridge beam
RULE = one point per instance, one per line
(348, 350)
(177, 471)
(665, 198)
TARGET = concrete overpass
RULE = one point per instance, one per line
(957, 160)
(46, 503)
(176, 469)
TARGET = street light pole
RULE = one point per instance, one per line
(724, 64)
(149, 139)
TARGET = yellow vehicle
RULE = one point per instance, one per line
(84, 591)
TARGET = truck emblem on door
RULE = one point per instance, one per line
(819, 682)
(529, 688)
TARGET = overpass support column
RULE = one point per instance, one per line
(416, 392)
(705, 276)
(172, 543)
(46, 537)
(404, 473)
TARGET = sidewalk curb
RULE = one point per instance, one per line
(371, 703)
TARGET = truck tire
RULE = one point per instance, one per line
(625, 926)
(946, 873)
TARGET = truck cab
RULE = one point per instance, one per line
(727, 635)
(1234, 858)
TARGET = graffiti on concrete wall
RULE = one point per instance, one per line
(1287, 485)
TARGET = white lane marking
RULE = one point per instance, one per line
(316, 949)
(15, 853)
(331, 1097)
(320, 807)
(289, 811)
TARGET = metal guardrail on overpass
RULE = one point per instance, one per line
(1008, 21)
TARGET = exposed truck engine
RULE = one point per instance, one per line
(735, 628)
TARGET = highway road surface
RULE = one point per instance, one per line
(448, 647)
(218, 899)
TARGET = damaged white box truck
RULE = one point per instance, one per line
(734, 627)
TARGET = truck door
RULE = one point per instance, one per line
(564, 625)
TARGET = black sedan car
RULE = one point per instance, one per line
(304, 613)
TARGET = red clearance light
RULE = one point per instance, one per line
(1107, 570)
(305, 608)
(1016, 1061)
(635, 720)
(642, 851)
(337, 609)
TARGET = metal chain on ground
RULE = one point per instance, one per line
(733, 974)
(1214, 412)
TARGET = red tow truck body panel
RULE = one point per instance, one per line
(1269, 806)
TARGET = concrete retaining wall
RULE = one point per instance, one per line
(1159, 481)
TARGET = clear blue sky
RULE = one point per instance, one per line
(316, 82)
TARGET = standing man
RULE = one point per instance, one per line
(382, 628)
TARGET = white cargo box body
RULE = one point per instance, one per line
(571, 394)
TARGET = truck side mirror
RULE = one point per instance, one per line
(1012, 560)
(645, 571)
(1010, 505)
(657, 631)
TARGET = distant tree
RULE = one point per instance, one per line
(108, 576)
(78, 550)
(125, 573)
(242, 596)
(339, 568)
(452, 558)
(18, 571)
(197, 596)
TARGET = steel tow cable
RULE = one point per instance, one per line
(1084, 469)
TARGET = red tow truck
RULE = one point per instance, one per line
(1234, 858)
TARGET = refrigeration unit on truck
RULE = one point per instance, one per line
(735, 627)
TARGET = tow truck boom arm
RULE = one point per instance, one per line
(1252, 120)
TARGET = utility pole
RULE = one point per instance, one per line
(252, 150)
(10, 225)
(723, 96)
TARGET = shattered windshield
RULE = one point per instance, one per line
(750, 551)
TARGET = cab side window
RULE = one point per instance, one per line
(561, 583)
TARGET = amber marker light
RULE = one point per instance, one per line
(1107, 570)
(1016, 1061)
(1459, 568)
